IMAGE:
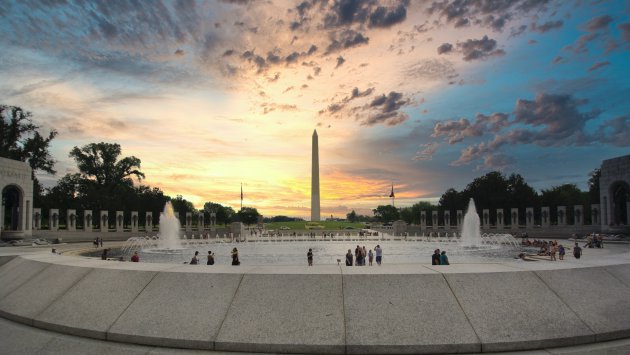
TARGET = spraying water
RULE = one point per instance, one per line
(169, 229)
(471, 233)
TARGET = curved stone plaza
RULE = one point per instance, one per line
(395, 308)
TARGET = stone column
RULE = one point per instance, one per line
(120, 221)
(514, 218)
(595, 221)
(500, 221)
(213, 221)
(188, 222)
(53, 219)
(423, 220)
(578, 215)
(200, 222)
(87, 220)
(134, 221)
(434, 219)
(148, 222)
(37, 218)
(72, 220)
(545, 217)
(447, 219)
(460, 219)
(399, 228)
(529, 217)
(104, 221)
(562, 215)
(485, 218)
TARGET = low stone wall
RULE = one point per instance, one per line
(324, 309)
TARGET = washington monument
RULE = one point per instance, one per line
(315, 180)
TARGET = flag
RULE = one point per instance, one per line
(392, 194)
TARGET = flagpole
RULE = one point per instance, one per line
(241, 195)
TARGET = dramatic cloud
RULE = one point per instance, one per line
(549, 120)
(340, 62)
(482, 48)
(432, 69)
(598, 65)
(344, 40)
(338, 106)
(625, 31)
(382, 17)
(348, 12)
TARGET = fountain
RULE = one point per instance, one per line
(471, 232)
(169, 229)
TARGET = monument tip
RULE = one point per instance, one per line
(315, 132)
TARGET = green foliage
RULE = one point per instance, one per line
(248, 215)
(282, 219)
(386, 213)
(99, 162)
(301, 226)
(20, 140)
(352, 216)
(225, 214)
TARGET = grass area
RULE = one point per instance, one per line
(298, 226)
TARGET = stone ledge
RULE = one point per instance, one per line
(390, 309)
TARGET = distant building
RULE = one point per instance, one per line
(17, 199)
(614, 192)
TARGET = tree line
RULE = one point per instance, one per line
(495, 191)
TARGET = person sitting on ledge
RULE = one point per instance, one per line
(444, 258)
(135, 257)
(104, 255)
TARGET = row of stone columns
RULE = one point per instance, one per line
(103, 220)
(512, 219)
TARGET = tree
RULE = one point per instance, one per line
(593, 185)
(386, 213)
(352, 216)
(224, 214)
(99, 162)
(20, 140)
(248, 215)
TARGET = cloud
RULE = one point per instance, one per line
(179, 52)
(549, 120)
(615, 131)
(272, 106)
(491, 14)
(345, 39)
(433, 69)
(426, 151)
(598, 23)
(340, 62)
(497, 162)
(335, 107)
(558, 60)
(386, 107)
(382, 17)
(474, 49)
(546, 27)
(598, 65)
(444, 48)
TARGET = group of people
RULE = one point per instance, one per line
(594, 241)
(361, 254)
(210, 258)
(553, 248)
(439, 258)
(98, 241)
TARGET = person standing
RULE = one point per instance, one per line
(235, 260)
(210, 258)
(379, 255)
(444, 258)
(349, 258)
(435, 258)
(370, 256)
(357, 256)
(561, 251)
(135, 257)
(364, 255)
(577, 251)
(309, 257)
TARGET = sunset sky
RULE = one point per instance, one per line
(426, 95)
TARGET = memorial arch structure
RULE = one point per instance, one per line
(614, 189)
(16, 185)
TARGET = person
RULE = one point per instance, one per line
(349, 258)
(370, 256)
(194, 260)
(210, 258)
(379, 255)
(561, 251)
(235, 260)
(357, 256)
(552, 253)
(364, 255)
(135, 257)
(444, 258)
(435, 258)
(104, 255)
(577, 251)
(95, 242)
(100, 241)
(309, 257)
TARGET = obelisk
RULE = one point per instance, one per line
(315, 180)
